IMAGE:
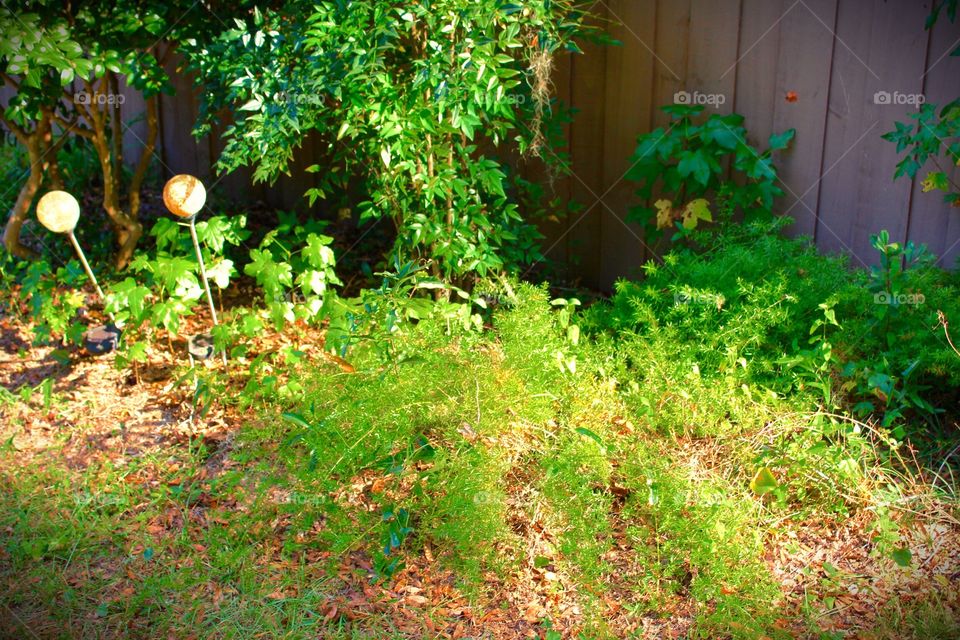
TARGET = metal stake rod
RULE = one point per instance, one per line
(203, 276)
(86, 267)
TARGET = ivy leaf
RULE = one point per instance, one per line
(318, 252)
(664, 213)
(167, 233)
(137, 352)
(167, 314)
(251, 325)
(313, 281)
(221, 272)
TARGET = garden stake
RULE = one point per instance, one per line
(59, 212)
(184, 196)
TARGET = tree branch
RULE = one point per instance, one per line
(10, 81)
(20, 133)
(73, 126)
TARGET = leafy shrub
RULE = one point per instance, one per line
(714, 324)
(685, 165)
(422, 102)
(734, 314)
(935, 138)
(55, 297)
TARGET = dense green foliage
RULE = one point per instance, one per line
(761, 314)
(935, 138)
(64, 63)
(685, 166)
(417, 108)
(644, 451)
(552, 436)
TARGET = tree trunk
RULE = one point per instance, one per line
(34, 142)
(143, 164)
(18, 215)
(126, 228)
(51, 148)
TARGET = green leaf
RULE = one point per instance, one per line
(318, 252)
(936, 181)
(695, 211)
(296, 419)
(902, 557)
(590, 434)
(251, 325)
(137, 352)
(694, 163)
(220, 273)
(780, 141)
(763, 481)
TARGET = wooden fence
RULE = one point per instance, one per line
(839, 58)
(835, 56)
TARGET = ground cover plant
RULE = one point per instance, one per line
(407, 438)
(658, 462)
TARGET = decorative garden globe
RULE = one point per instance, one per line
(58, 211)
(184, 195)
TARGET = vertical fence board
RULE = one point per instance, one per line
(134, 123)
(803, 71)
(755, 69)
(858, 165)
(713, 44)
(669, 74)
(586, 147)
(629, 77)
(554, 229)
(179, 151)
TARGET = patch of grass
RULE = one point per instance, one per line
(929, 618)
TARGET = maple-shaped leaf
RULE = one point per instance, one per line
(220, 273)
(695, 211)
(936, 181)
(318, 252)
(664, 213)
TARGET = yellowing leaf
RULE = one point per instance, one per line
(664, 213)
(695, 211)
(763, 482)
(936, 181)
